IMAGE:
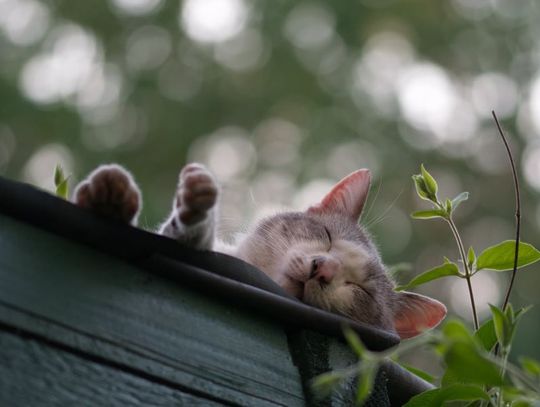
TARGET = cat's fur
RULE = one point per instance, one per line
(321, 256)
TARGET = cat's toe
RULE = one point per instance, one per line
(197, 193)
(110, 191)
(193, 167)
(82, 196)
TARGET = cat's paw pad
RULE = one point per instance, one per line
(197, 193)
(110, 191)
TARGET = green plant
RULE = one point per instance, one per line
(61, 182)
(477, 370)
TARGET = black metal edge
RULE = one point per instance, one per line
(293, 314)
(224, 276)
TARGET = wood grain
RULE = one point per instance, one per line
(105, 307)
(43, 376)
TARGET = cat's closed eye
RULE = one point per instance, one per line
(329, 236)
(356, 285)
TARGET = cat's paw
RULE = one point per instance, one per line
(197, 193)
(110, 191)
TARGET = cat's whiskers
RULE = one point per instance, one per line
(383, 216)
(372, 203)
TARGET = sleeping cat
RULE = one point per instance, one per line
(321, 256)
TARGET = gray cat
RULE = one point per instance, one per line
(321, 256)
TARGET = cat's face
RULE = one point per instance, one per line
(324, 257)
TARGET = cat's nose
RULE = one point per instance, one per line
(323, 269)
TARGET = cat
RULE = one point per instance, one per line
(322, 255)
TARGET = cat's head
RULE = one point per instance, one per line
(325, 258)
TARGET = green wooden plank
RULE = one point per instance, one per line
(204, 343)
(32, 374)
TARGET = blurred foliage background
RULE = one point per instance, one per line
(281, 99)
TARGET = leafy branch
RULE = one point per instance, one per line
(427, 188)
(472, 373)
(507, 255)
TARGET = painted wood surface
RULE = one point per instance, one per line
(45, 376)
(85, 300)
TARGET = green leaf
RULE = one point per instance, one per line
(448, 205)
(429, 181)
(354, 341)
(486, 335)
(62, 189)
(503, 327)
(58, 175)
(511, 394)
(437, 397)
(531, 366)
(517, 317)
(509, 314)
(455, 330)
(421, 188)
(444, 270)
(471, 256)
(60, 182)
(325, 383)
(468, 362)
(476, 403)
(458, 199)
(521, 312)
(419, 372)
(501, 256)
(366, 378)
(429, 214)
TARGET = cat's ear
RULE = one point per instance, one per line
(348, 196)
(414, 313)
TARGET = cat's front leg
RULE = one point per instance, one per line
(192, 221)
(110, 191)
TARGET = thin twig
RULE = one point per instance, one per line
(518, 211)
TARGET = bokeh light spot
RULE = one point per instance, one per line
(531, 167)
(534, 104)
(39, 169)
(311, 193)
(348, 157)
(278, 143)
(228, 153)
(244, 52)
(494, 91)
(135, 7)
(147, 48)
(24, 22)
(386, 54)
(486, 291)
(309, 26)
(61, 71)
(211, 21)
(426, 96)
